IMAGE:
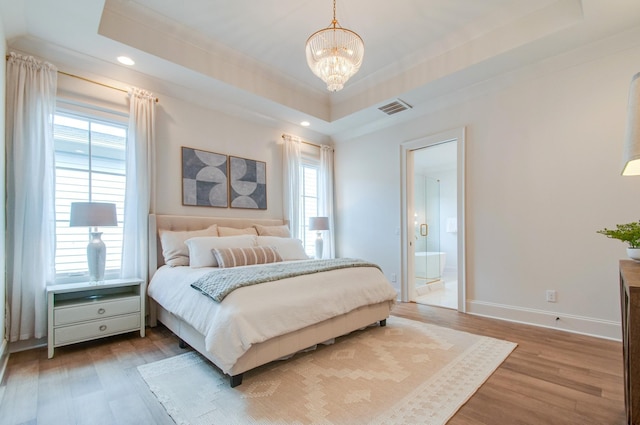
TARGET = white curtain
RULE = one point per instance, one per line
(325, 198)
(30, 107)
(140, 190)
(291, 182)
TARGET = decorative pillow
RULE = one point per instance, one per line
(174, 250)
(232, 231)
(281, 231)
(289, 249)
(234, 257)
(200, 249)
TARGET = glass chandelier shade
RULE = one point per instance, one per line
(334, 54)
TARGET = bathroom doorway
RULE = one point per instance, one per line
(433, 200)
(435, 210)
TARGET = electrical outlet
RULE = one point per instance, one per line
(551, 295)
(393, 277)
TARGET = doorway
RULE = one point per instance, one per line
(436, 245)
(433, 230)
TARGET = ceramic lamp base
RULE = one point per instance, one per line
(96, 257)
(319, 247)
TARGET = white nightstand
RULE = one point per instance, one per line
(83, 311)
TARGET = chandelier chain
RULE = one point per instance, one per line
(335, 21)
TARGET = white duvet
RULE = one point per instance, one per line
(257, 313)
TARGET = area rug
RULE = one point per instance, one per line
(408, 372)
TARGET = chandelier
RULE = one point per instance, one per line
(334, 54)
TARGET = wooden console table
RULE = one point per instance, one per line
(630, 308)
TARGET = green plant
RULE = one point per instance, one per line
(629, 233)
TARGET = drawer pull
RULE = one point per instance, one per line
(101, 311)
(103, 327)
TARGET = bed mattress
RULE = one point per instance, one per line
(252, 315)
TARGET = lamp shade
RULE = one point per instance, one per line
(318, 223)
(87, 214)
(632, 136)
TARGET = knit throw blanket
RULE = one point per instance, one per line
(220, 283)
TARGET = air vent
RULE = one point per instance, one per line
(395, 107)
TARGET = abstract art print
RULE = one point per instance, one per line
(204, 178)
(247, 183)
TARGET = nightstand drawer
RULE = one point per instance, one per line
(96, 329)
(95, 310)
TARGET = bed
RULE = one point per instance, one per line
(257, 324)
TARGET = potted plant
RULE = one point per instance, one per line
(629, 233)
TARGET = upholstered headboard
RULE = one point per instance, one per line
(183, 222)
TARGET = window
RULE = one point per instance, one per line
(308, 204)
(90, 166)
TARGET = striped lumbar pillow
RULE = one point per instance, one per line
(234, 257)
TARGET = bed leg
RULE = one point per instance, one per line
(181, 343)
(153, 313)
(235, 380)
(383, 322)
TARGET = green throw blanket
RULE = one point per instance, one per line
(220, 283)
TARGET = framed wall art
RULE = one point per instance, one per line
(247, 183)
(204, 178)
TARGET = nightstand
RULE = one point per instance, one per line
(84, 311)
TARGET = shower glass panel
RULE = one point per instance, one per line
(427, 229)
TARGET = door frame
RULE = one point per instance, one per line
(407, 246)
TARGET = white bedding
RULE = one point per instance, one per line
(257, 313)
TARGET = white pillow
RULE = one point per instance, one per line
(289, 249)
(282, 231)
(232, 231)
(200, 249)
(174, 250)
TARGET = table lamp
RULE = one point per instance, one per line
(319, 224)
(94, 214)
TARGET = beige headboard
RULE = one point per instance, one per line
(183, 222)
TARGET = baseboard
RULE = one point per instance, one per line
(547, 319)
(28, 344)
(4, 359)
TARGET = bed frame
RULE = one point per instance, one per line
(264, 352)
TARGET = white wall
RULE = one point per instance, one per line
(367, 196)
(180, 123)
(543, 161)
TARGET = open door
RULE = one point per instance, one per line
(433, 227)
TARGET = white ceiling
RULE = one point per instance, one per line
(247, 57)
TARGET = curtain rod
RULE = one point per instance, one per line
(305, 142)
(91, 81)
(96, 82)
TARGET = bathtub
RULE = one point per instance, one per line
(430, 265)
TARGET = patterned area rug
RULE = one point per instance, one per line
(405, 373)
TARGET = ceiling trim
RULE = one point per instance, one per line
(148, 32)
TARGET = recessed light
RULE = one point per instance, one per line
(305, 123)
(125, 60)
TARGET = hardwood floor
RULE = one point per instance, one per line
(552, 377)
